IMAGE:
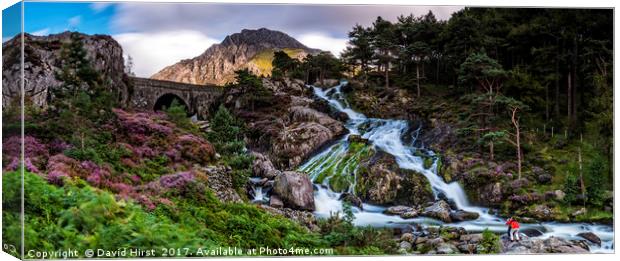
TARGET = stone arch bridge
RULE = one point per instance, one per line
(149, 94)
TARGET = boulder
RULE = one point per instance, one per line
(471, 238)
(446, 249)
(559, 245)
(467, 248)
(439, 210)
(435, 242)
(531, 232)
(421, 240)
(397, 210)
(262, 166)
(462, 215)
(410, 214)
(549, 245)
(404, 245)
(591, 237)
(275, 201)
(381, 181)
(302, 134)
(295, 189)
(351, 199)
(407, 237)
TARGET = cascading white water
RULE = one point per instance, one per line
(259, 194)
(386, 135)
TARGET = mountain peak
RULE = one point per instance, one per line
(249, 49)
(263, 36)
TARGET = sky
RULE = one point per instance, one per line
(156, 35)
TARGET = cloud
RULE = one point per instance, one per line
(160, 34)
(152, 52)
(219, 20)
(42, 32)
(99, 7)
(323, 42)
(74, 21)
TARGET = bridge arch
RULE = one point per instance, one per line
(165, 101)
(150, 94)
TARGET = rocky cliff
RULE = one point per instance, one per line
(42, 61)
(251, 49)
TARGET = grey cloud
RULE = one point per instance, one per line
(219, 20)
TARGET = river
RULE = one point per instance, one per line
(387, 135)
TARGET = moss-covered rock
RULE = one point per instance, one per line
(381, 181)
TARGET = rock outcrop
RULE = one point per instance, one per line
(284, 128)
(251, 49)
(549, 245)
(295, 189)
(42, 61)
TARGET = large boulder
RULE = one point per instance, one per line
(402, 211)
(295, 190)
(591, 237)
(462, 215)
(439, 210)
(381, 181)
(549, 245)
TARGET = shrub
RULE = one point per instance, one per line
(490, 243)
(177, 113)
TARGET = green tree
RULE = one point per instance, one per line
(321, 66)
(252, 90)
(282, 64)
(485, 73)
(177, 113)
(359, 52)
(383, 35)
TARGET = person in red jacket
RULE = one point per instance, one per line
(513, 229)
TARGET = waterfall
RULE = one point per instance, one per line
(386, 135)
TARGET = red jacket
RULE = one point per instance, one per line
(512, 223)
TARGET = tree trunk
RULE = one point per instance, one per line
(546, 103)
(582, 184)
(387, 75)
(491, 150)
(569, 98)
(557, 80)
(437, 72)
(417, 73)
(575, 80)
(515, 122)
